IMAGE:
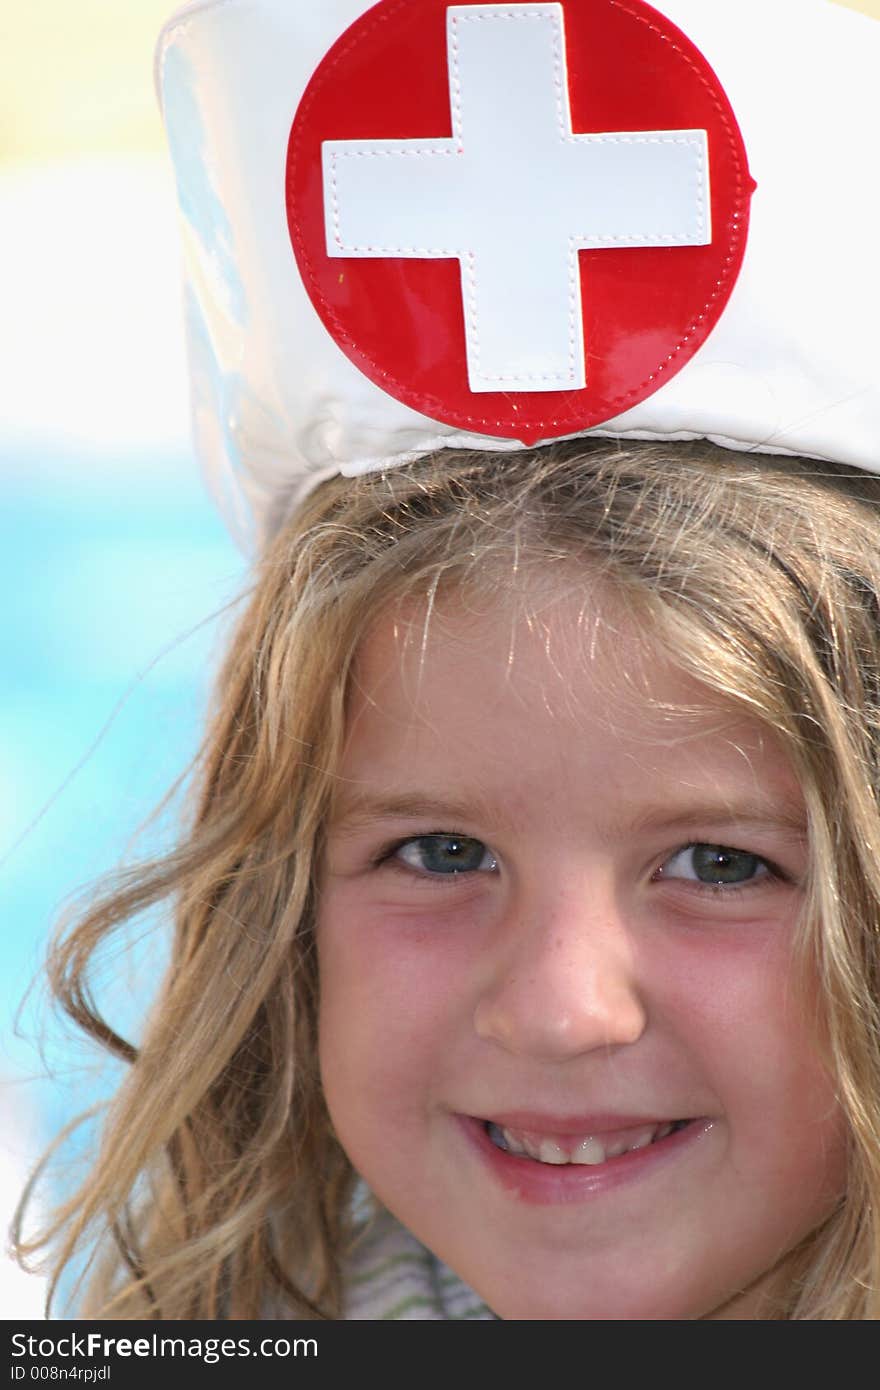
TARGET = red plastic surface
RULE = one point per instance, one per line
(646, 311)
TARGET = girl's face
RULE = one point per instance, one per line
(558, 1033)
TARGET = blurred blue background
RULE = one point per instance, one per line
(107, 640)
(115, 568)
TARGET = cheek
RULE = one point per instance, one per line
(734, 1004)
(388, 1018)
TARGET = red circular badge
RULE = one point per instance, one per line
(519, 220)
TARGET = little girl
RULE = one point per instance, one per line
(526, 953)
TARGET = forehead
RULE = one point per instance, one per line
(570, 682)
(574, 641)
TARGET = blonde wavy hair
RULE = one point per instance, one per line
(219, 1190)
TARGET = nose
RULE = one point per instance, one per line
(562, 980)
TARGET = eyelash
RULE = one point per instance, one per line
(772, 870)
(387, 855)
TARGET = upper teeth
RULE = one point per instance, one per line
(591, 1149)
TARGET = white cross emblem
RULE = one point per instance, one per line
(515, 194)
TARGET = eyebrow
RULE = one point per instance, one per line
(752, 815)
(358, 810)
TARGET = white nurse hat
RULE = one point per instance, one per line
(421, 224)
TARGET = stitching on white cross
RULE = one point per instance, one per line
(348, 248)
(693, 141)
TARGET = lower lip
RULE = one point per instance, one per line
(547, 1184)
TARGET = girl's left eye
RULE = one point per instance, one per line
(443, 854)
(715, 866)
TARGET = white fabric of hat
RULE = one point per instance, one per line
(524, 233)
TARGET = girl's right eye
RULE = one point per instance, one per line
(439, 854)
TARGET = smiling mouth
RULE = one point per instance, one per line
(583, 1150)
